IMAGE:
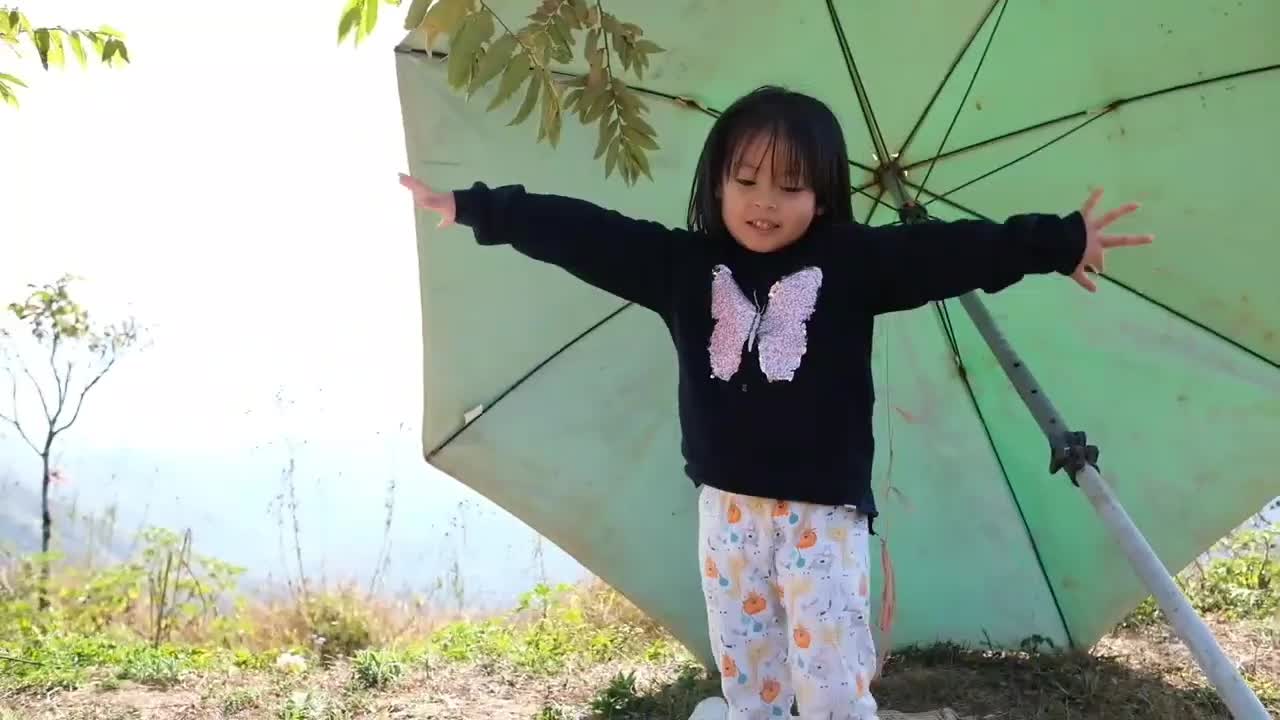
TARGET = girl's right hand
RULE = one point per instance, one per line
(428, 199)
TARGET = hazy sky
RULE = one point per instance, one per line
(235, 189)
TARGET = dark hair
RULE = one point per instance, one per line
(812, 148)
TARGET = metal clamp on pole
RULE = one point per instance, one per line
(1073, 453)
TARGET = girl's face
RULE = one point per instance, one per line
(764, 209)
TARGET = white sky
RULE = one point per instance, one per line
(235, 189)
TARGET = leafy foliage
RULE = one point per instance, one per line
(551, 627)
(529, 63)
(359, 17)
(339, 624)
(52, 45)
(377, 669)
(1241, 581)
(165, 592)
(1244, 582)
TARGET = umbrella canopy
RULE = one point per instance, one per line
(557, 401)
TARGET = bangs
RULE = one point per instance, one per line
(794, 156)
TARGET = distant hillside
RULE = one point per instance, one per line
(20, 527)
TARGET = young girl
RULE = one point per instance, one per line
(769, 296)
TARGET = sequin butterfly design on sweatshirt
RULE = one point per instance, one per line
(779, 328)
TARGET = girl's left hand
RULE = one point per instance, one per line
(1096, 243)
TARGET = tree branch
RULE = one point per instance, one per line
(66, 385)
(85, 391)
(57, 378)
(528, 51)
(14, 421)
(608, 61)
(18, 426)
(39, 391)
(10, 658)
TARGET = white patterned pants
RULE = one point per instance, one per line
(788, 603)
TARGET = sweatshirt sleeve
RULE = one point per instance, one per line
(906, 266)
(632, 259)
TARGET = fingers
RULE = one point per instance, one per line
(417, 186)
(1092, 202)
(1116, 214)
(1084, 280)
(1113, 241)
(423, 197)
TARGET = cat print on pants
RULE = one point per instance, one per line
(787, 586)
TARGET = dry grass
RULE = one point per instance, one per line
(585, 653)
(450, 691)
(1138, 674)
(289, 621)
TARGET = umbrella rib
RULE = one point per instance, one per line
(1081, 113)
(960, 105)
(876, 205)
(1017, 504)
(876, 200)
(1091, 117)
(947, 77)
(864, 100)
(1125, 286)
(948, 327)
(1020, 158)
(511, 388)
(946, 201)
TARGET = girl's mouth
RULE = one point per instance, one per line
(763, 225)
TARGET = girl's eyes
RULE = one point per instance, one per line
(751, 183)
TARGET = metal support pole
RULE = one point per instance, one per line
(1070, 451)
(1215, 664)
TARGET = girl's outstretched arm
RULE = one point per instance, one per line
(630, 258)
(907, 266)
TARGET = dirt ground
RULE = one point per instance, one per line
(1142, 674)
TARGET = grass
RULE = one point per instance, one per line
(562, 653)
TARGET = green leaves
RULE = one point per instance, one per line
(523, 59)
(483, 49)
(13, 25)
(49, 312)
(52, 44)
(603, 98)
(467, 48)
(440, 17)
(359, 18)
(495, 60)
(514, 74)
(6, 91)
(52, 315)
(632, 50)
(78, 48)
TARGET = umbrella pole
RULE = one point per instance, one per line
(1070, 451)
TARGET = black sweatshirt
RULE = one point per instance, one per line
(774, 403)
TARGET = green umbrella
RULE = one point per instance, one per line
(557, 401)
